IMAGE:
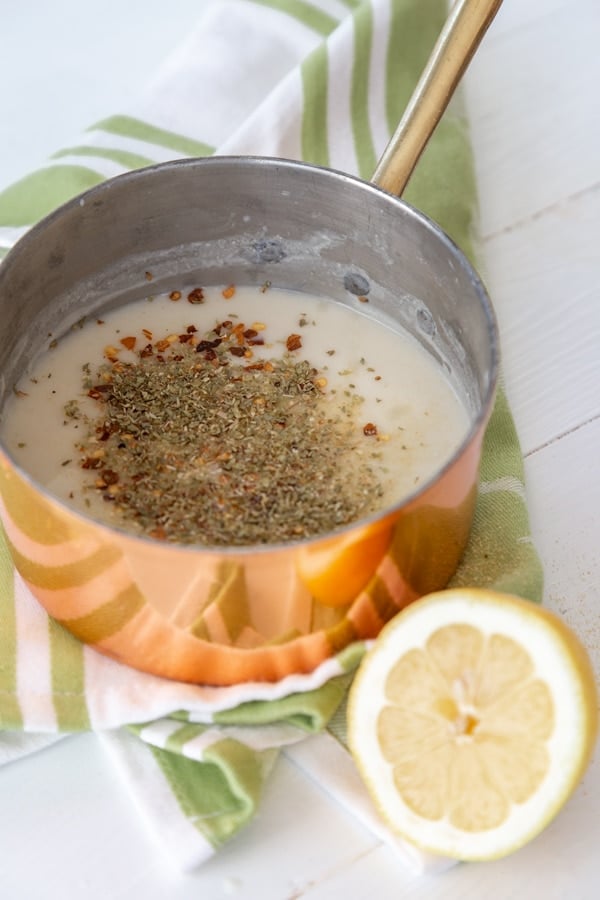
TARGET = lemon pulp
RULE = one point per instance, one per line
(472, 720)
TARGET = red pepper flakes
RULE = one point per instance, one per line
(104, 431)
(363, 299)
(96, 392)
(238, 332)
(196, 296)
(237, 351)
(229, 291)
(202, 346)
(148, 350)
(147, 334)
(293, 342)
(129, 342)
(175, 295)
(370, 429)
(91, 462)
(149, 276)
(110, 353)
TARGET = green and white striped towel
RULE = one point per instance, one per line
(325, 82)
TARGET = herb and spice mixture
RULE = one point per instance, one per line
(233, 416)
(194, 441)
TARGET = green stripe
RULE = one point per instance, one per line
(183, 735)
(308, 710)
(10, 713)
(449, 200)
(108, 619)
(70, 575)
(245, 771)
(68, 679)
(382, 600)
(341, 635)
(36, 195)
(127, 126)
(232, 600)
(412, 34)
(304, 12)
(359, 101)
(315, 74)
(501, 519)
(122, 157)
(349, 658)
(29, 513)
(221, 795)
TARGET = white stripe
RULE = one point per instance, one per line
(104, 139)
(340, 137)
(508, 483)
(158, 733)
(377, 76)
(152, 794)
(268, 46)
(34, 683)
(229, 698)
(259, 738)
(10, 235)
(255, 737)
(105, 167)
(336, 8)
(116, 693)
(275, 128)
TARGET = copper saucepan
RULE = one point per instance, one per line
(248, 220)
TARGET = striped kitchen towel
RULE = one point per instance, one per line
(324, 81)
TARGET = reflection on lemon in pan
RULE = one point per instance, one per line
(337, 569)
(472, 720)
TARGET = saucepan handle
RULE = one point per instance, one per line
(464, 29)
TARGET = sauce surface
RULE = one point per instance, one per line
(388, 416)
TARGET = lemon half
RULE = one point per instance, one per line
(472, 720)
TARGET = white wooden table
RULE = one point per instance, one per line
(535, 110)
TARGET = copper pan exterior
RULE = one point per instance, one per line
(225, 615)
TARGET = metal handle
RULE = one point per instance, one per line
(464, 29)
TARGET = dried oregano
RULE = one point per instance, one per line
(197, 441)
